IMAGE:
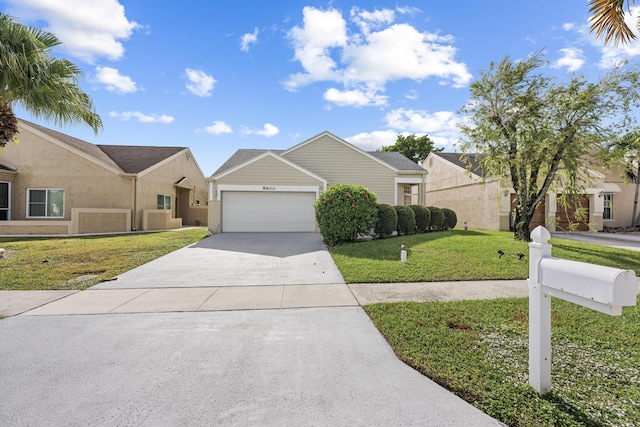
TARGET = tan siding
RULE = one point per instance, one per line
(268, 171)
(340, 164)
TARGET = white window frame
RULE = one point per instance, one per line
(8, 208)
(607, 202)
(164, 206)
(46, 202)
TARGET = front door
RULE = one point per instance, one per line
(4, 201)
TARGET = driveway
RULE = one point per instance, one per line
(311, 367)
(237, 259)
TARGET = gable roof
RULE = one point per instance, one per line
(4, 167)
(393, 160)
(122, 158)
(135, 158)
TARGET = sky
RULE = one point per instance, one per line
(217, 76)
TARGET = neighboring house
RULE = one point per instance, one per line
(52, 183)
(455, 182)
(275, 190)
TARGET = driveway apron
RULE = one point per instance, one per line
(237, 259)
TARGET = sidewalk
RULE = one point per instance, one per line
(198, 299)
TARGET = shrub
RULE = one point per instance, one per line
(423, 217)
(387, 220)
(344, 212)
(406, 220)
(437, 218)
(450, 218)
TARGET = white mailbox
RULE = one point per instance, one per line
(604, 289)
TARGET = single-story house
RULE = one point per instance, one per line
(455, 182)
(52, 183)
(275, 190)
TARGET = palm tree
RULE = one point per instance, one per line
(628, 148)
(32, 78)
(608, 19)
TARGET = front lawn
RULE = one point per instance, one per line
(460, 255)
(79, 262)
(479, 350)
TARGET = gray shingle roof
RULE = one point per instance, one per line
(126, 158)
(135, 158)
(397, 160)
(470, 162)
(240, 156)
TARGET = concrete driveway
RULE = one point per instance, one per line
(237, 259)
(298, 367)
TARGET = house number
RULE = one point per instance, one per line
(268, 188)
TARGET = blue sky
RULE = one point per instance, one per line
(217, 76)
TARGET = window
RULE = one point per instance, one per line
(45, 203)
(407, 194)
(164, 202)
(607, 214)
(4, 201)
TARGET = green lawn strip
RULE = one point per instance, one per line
(458, 255)
(54, 263)
(479, 350)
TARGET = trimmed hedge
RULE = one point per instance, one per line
(437, 218)
(406, 220)
(450, 218)
(387, 220)
(344, 212)
(423, 217)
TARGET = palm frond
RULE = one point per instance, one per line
(607, 18)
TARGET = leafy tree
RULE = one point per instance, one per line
(31, 77)
(536, 133)
(416, 148)
(628, 148)
(608, 20)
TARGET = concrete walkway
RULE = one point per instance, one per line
(200, 299)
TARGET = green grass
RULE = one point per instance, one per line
(460, 255)
(54, 263)
(479, 350)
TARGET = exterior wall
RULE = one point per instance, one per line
(35, 227)
(199, 215)
(480, 205)
(155, 219)
(100, 221)
(161, 179)
(623, 200)
(339, 164)
(215, 216)
(42, 164)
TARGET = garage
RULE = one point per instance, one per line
(268, 211)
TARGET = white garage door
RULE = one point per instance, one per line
(267, 211)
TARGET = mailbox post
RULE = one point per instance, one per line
(604, 289)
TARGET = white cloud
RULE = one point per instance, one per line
(354, 98)
(142, 118)
(248, 39)
(572, 58)
(441, 126)
(89, 29)
(114, 81)
(200, 83)
(568, 26)
(372, 54)
(218, 128)
(371, 141)
(268, 130)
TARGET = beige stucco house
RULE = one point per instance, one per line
(52, 183)
(455, 181)
(275, 190)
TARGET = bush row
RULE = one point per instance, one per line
(344, 212)
(413, 219)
